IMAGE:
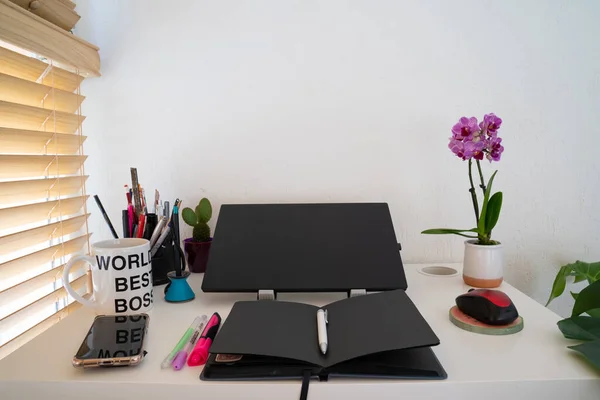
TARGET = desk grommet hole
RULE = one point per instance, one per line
(438, 270)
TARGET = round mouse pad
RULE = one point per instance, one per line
(467, 323)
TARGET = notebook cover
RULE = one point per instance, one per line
(419, 363)
(304, 248)
(357, 327)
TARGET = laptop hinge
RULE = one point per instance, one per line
(357, 292)
(265, 295)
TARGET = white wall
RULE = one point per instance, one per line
(306, 101)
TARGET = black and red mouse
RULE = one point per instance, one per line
(491, 307)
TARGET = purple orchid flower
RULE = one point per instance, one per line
(465, 128)
(494, 149)
(467, 149)
(490, 124)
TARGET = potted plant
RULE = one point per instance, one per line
(578, 326)
(483, 256)
(197, 247)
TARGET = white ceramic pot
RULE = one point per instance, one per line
(483, 265)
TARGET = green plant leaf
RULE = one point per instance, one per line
(584, 270)
(590, 350)
(446, 231)
(581, 328)
(595, 312)
(204, 210)
(560, 282)
(588, 299)
(486, 199)
(189, 217)
(574, 295)
(493, 211)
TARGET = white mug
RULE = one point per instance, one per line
(121, 277)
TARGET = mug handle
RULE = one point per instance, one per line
(67, 285)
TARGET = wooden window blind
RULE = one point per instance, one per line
(43, 215)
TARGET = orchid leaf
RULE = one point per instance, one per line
(493, 212)
(446, 231)
(486, 199)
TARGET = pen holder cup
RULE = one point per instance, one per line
(178, 290)
(163, 261)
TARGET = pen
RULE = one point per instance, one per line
(140, 231)
(160, 240)
(175, 229)
(128, 194)
(322, 329)
(166, 210)
(157, 230)
(181, 357)
(125, 221)
(156, 198)
(200, 353)
(130, 214)
(110, 225)
(196, 325)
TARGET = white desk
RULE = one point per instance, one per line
(533, 364)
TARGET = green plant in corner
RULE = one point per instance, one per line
(579, 326)
(198, 219)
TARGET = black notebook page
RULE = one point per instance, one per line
(270, 328)
(374, 323)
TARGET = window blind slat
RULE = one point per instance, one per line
(52, 11)
(31, 69)
(21, 91)
(24, 239)
(21, 141)
(35, 330)
(18, 166)
(68, 3)
(21, 265)
(37, 282)
(18, 116)
(37, 189)
(11, 320)
(22, 215)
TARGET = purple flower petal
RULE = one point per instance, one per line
(490, 124)
(465, 128)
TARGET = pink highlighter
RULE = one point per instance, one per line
(200, 353)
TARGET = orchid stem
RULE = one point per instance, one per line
(482, 185)
(473, 195)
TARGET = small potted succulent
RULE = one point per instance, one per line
(197, 247)
(483, 257)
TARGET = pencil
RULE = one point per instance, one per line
(110, 225)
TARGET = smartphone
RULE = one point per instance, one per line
(113, 341)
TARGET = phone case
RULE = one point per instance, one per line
(114, 361)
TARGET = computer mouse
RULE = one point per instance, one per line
(492, 307)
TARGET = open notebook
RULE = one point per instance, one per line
(374, 335)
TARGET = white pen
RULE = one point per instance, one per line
(160, 240)
(157, 230)
(322, 329)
